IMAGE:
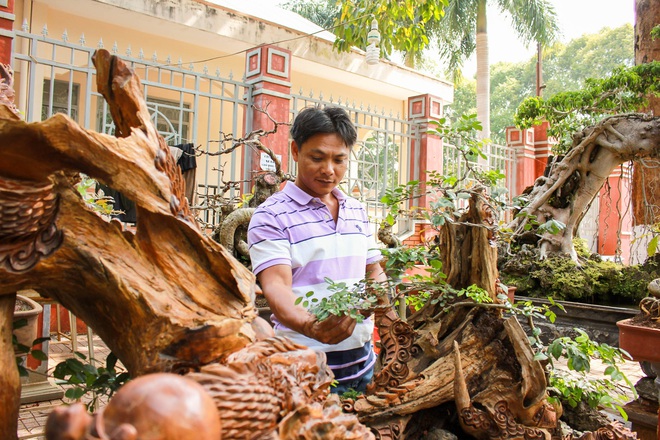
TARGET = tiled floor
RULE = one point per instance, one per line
(32, 417)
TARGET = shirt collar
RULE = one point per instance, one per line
(292, 190)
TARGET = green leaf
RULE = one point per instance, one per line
(74, 393)
(111, 361)
(39, 355)
(652, 247)
(40, 340)
(74, 365)
(540, 357)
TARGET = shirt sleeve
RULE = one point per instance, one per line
(268, 244)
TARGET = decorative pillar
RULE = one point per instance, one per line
(7, 18)
(533, 147)
(426, 152)
(615, 219)
(522, 141)
(268, 69)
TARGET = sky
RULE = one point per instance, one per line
(575, 18)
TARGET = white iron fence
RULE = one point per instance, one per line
(199, 108)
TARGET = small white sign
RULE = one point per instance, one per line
(267, 164)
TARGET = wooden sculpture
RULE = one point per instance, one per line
(159, 405)
(166, 298)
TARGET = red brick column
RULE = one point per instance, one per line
(425, 154)
(522, 141)
(6, 30)
(615, 218)
(268, 68)
(533, 147)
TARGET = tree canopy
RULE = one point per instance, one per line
(511, 83)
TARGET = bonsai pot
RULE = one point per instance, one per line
(29, 310)
(36, 387)
(640, 341)
(643, 344)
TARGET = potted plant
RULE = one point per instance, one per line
(26, 313)
(35, 385)
(640, 337)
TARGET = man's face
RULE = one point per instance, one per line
(322, 163)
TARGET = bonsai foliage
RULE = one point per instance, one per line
(626, 90)
(572, 386)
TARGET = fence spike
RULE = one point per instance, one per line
(115, 48)
(180, 63)
(311, 93)
(100, 43)
(168, 60)
(339, 101)
(205, 69)
(129, 51)
(44, 30)
(82, 40)
(300, 92)
(25, 27)
(331, 99)
(217, 71)
(65, 36)
(154, 57)
(141, 54)
(231, 74)
(320, 95)
(191, 67)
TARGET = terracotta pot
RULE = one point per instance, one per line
(641, 342)
(28, 333)
(511, 293)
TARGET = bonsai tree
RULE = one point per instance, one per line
(596, 134)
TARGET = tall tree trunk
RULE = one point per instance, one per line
(646, 180)
(483, 70)
(10, 384)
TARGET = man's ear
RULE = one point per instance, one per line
(294, 151)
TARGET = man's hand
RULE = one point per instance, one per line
(331, 330)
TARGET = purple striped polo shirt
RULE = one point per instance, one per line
(295, 229)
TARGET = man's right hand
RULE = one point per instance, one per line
(331, 330)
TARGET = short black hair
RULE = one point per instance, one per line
(329, 119)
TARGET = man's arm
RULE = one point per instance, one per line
(376, 273)
(276, 285)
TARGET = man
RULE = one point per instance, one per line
(310, 231)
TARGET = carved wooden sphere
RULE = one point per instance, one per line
(162, 406)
